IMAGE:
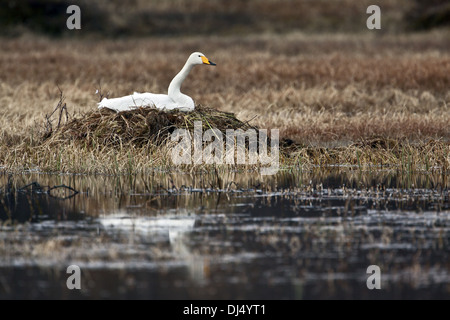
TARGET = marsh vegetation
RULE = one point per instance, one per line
(341, 99)
(364, 160)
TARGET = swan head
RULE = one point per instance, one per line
(199, 58)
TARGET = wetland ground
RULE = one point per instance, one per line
(363, 117)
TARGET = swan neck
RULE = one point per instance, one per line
(175, 84)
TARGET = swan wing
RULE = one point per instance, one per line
(163, 101)
(137, 100)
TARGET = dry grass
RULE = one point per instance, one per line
(344, 99)
(140, 127)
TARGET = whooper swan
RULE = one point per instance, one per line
(173, 100)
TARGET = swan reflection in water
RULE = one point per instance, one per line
(172, 229)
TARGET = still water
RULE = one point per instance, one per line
(296, 235)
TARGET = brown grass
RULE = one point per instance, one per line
(331, 95)
(140, 127)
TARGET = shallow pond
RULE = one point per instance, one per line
(296, 235)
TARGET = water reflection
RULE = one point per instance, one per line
(294, 235)
(165, 228)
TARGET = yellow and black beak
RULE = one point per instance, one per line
(206, 61)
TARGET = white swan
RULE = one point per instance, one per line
(173, 100)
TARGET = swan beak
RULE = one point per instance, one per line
(206, 61)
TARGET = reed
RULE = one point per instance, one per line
(334, 100)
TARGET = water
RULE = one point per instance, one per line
(297, 235)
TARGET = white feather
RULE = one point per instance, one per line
(137, 100)
(173, 100)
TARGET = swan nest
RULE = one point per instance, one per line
(139, 126)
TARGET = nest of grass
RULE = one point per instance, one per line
(140, 126)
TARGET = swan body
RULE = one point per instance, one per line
(173, 100)
(136, 100)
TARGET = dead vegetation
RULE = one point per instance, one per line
(341, 99)
(139, 127)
